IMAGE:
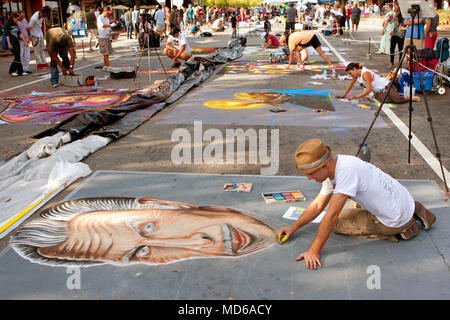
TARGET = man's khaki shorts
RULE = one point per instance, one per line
(105, 46)
(360, 223)
(419, 43)
(92, 33)
(160, 28)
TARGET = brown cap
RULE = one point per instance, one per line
(311, 155)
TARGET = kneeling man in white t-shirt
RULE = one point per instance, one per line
(177, 47)
(385, 209)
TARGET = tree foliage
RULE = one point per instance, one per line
(232, 3)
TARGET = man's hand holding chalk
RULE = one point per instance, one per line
(283, 234)
(282, 238)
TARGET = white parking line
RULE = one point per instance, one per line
(336, 53)
(429, 158)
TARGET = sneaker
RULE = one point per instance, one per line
(25, 73)
(14, 74)
(55, 85)
(424, 216)
(91, 50)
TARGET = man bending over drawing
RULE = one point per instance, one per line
(384, 208)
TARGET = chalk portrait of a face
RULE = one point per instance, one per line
(304, 98)
(123, 231)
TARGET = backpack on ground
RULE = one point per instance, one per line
(442, 53)
(4, 42)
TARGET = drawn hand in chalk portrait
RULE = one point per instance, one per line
(305, 98)
(124, 231)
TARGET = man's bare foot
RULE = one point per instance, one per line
(414, 98)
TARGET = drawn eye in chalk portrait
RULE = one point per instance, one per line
(304, 98)
(123, 231)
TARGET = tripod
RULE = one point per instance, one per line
(411, 50)
(148, 58)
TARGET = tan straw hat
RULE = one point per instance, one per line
(311, 155)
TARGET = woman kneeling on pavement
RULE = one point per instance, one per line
(372, 83)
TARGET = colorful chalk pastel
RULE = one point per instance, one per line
(282, 237)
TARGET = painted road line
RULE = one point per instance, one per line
(429, 158)
(336, 53)
(432, 161)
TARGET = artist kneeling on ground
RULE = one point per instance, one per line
(385, 209)
(372, 82)
(177, 47)
(270, 41)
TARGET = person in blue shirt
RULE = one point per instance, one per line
(418, 32)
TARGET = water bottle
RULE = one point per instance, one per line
(365, 153)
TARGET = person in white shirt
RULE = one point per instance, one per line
(384, 208)
(37, 37)
(104, 36)
(372, 83)
(177, 47)
(135, 19)
(22, 23)
(160, 18)
(218, 25)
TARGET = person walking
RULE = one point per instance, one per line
(234, 23)
(355, 15)
(398, 35)
(104, 36)
(173, 19)
(431, 34)
(167, 18)
(24, 46)
(291, 15)
(160, 18)
(348, 15)
(37, 36)
(135, 20)
(91, 27)
(190, 16)
(129, 23)
(13, 37)
(388, 27)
